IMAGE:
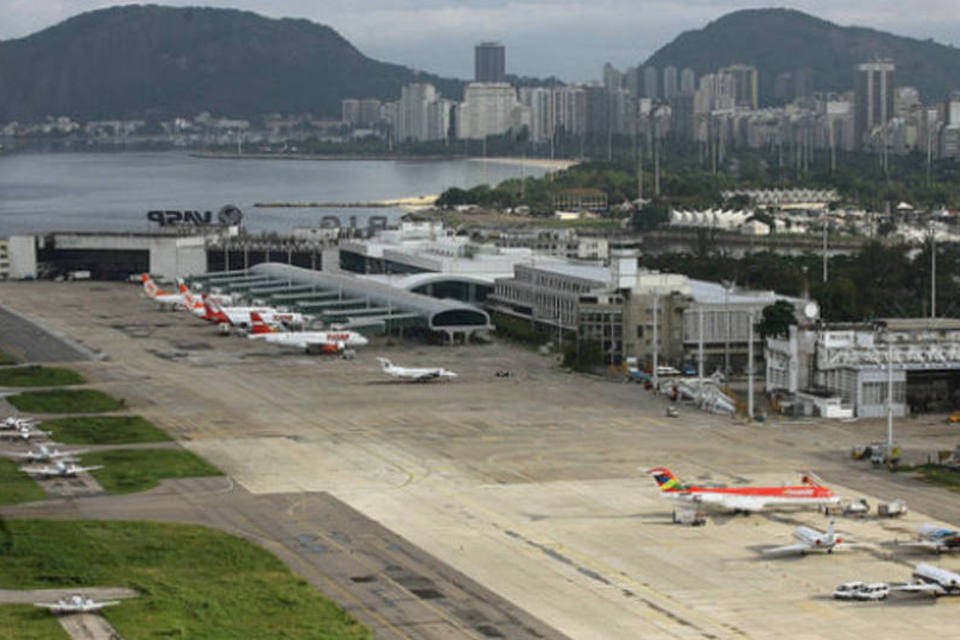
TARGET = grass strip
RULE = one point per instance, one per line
(16, 486)
(104, 430)
(131, 470)
(66, 401)
(37, 376)
(194, 582)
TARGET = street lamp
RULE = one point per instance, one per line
(727, 288)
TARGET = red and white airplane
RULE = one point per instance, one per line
(810, 494)
(241, 316)
(323, 341)
(162, 297)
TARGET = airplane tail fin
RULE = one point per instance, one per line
(258, 325)
(666, 480)
(832, 530)
(149, 286)
(811, 479)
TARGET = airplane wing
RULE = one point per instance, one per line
(787, 549)
(52, 606)
(85, 469)
(925, 545)
(919, 587)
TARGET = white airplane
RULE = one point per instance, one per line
(809, 539)
(164, 298)
(932, 580)
(60, 469)
(43, 453)
(933, 537)
(13, 422)
(324, 341)
(416, 374)
(24, 433)
(76, 604)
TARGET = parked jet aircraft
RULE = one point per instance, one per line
(240, 316)
(60, 469)
(163, 298)
(932, 537)
(76, 604)
(416, 374)
(324, 341)
(809, 539)
(43, 453)
(746, 499)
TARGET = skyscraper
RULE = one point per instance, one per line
(873, 98)
(747, 80)
(489, 62)
(671, 85)
(688, 81)
(650, 89)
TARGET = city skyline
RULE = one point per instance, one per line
(544, 39)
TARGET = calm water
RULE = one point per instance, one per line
(98, 192)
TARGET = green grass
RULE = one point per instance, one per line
(194, 582)
(104, 430)
(6, 358)
(26, 622)
(935, 474)
(37, 376)
(131, 470)
(16, 486)
(66, 401)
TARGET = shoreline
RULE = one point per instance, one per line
(551, 164)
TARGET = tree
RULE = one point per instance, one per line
(777, 319)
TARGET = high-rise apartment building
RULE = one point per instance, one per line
(650, 85)
(490, 62)
(688, 81)
(421, 114)
(671, 82)
(873, 98)
(539, 100)
(489, 109)
(747, 80)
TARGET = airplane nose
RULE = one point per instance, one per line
(362, 341)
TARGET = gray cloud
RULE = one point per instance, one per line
(568, 38)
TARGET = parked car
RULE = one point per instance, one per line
(862, 591)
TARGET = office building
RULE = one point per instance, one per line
(688, 81)
(873, 99)
(490, 62)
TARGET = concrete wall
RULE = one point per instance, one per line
(172, 258)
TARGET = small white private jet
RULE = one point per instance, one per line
(43, 453)
(59, 469)
(415, 374)
(933, 537)
(24, 433)
(75, 604)
(809, 539)
(13, 422)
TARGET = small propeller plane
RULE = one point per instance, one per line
(933, 537)
(76, 604)
(59, 469)
(43, 453)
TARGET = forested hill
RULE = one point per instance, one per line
(136, 61)
(784, 40)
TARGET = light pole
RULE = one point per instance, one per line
(889, 400)
(727, 286)
(750, 365)
(933, 270)
(656, 345)
(825, 259)
(700, 350)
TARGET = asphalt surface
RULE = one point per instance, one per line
(28, 342)
(393, 587)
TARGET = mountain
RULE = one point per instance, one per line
(136, 61)
(784, 40)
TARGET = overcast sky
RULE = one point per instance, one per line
(567, 38)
